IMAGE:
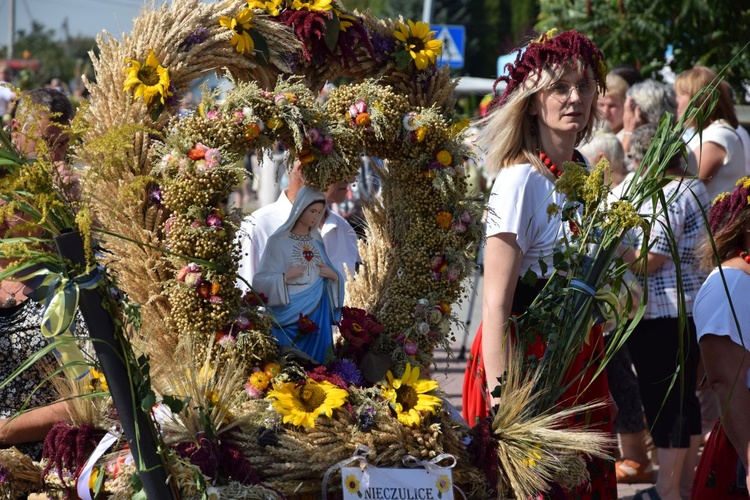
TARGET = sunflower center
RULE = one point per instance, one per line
(311, 397)
(407, 396)
(148, 75)
(415, 43)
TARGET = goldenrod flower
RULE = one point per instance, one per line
(150, 79)
(408, 395)
(240, 25)
(302, 404)
(259, 380)
(312, 5)
(419, 42)
(444, 158)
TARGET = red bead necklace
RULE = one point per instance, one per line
(745, 255)
(557, 172)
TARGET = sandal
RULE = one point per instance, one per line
(647, 494)
(630, 472)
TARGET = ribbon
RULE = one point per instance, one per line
(59, 297)
(582, 286)
(360, 456)
(82, 483)
(433, 466)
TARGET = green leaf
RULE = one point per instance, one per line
(99, 481)
(158, 108)
(148, 401)
(530, 278)
(174, 404)
(260, 46)
(403, 59)
(333, 26)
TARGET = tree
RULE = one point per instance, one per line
(64, 59)
(638, 32)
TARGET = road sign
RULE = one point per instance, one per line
(453, 37)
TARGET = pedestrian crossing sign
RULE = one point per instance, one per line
(453, 37)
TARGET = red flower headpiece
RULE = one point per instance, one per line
(727, 206)
(550, 50)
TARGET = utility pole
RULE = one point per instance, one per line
(426, 11)
(11, 26)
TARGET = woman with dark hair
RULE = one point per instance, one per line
(722, 319)
(548, 107)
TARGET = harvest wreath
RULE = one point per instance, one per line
(233, 419)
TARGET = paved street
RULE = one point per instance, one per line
(450, 369)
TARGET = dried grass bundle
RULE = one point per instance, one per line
(21, 475)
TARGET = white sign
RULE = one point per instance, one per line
(375, 483)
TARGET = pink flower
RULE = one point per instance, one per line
(243, 322)
(238, 116)
(168, 224)
(437, 262)
(453, 274)
(252, 391)
(196, 224)
(212, 115)
(182, 273)
(212, 157)
(466, 217)
(410, 348)
(314, 135)
(227, 341)
(360, 106)
(193, 279)
(214, 221)
(215, 299)
(459, 227)
(326, 147)
(280, 100)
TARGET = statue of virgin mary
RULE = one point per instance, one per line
(304, 291)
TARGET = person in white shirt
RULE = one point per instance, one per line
(339, 237)
(717, 146)
(722, 318)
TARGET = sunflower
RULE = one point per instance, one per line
(301, 404)
(240, 25)
(312, 5)
(408, 395)
(443, 483)
(419, 42)
(150, 79)
(272, 7)
(352, 483)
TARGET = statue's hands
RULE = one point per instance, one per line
(327, 272)
(293, 272)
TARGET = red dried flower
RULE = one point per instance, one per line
(305, 325)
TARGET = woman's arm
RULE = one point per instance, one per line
(710, 158)
(727, 365)
(652, 263)
(502, 262)
(31, 426)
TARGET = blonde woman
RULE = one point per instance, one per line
(548, 107)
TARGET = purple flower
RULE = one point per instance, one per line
(410, 348)
(466, 217)
(348, 372)
(243, 322)
(459, 227)
(196, 37)
(214, 221)
(314, 135)
(326, 147)
(366, 419)
(453, 274)
(3, 474)
(154, 195)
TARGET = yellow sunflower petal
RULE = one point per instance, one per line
(151, 60)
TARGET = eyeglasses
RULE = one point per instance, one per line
(561, 90)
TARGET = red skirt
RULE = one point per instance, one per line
(716, 475)
(603, 483)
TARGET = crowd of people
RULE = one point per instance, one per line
(558, 105)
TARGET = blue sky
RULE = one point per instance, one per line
(85, 17)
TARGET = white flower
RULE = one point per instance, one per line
(213, 493)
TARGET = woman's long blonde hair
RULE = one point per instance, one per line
(506, 134)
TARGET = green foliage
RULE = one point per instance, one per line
(63, 59)
(637, 32)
